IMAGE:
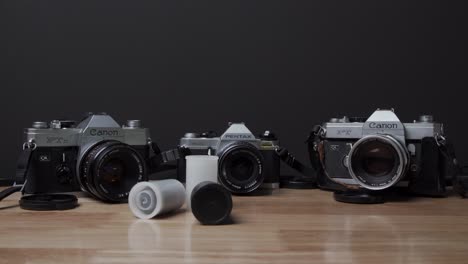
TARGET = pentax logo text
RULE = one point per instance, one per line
(238, 136)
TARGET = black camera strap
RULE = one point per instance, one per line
(307, 179)
(312, 146)
(459, 174)
(290, 160)
(9, 191)
(164, 161)
(21, 173)
(23, 165)
(169, 156)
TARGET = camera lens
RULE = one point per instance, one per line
(377, 162)
(110, 169)
(241, 168)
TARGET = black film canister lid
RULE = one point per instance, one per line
(48, 202)
(211, 203)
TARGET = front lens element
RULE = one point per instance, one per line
(113, 171)
(378, 159)
(241, 168)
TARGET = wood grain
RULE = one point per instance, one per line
(291, 226)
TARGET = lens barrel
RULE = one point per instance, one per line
(377, 162)
(110, 169)
(241, 167)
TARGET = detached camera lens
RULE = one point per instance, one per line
(377, 162)
(109, 171)
(241, 168)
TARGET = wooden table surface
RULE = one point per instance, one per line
(291, 226)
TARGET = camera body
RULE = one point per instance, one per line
(380, 152)
(246, 162)
(96, 155)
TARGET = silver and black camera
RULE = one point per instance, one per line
(245, 161)
(97, 156)
(380, 152)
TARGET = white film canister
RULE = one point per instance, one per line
(200, 168)
(149, 199)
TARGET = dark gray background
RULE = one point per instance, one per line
(195, 65)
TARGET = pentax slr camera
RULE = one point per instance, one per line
(245, 162)
(380, 152)
(97, 156)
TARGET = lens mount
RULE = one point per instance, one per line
(110, 169)
(377, 162)
(241, 167)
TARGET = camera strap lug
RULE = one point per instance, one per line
(440, 140)
(29, 145)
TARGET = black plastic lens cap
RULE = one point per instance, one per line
(298, 183)
(358, 197)
(211, 203)
(48, 202)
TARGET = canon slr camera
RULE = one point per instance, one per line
(380, 152)
(246, 163)
(97, 156)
